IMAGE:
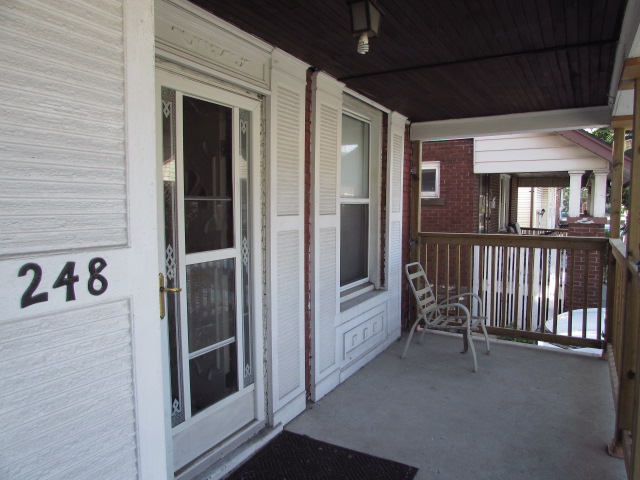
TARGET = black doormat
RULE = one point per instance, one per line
(290, 456)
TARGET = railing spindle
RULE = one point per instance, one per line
(572, 269)
(601, 263)
(544, 309)
(585, 296)
(505, 274)
(556, 292)
(530, 290)
(492, 283)
(516, 294)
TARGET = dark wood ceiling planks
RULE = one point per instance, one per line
(447, 59)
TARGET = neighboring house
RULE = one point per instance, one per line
(201, 232)
(486, 184)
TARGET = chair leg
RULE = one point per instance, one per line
(406, 345)
(473, 350)
(486, 337)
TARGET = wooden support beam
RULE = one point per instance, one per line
(633, 221)
(634, 447)
(624, 122)
(630, 72)
(616, 181)
(416, 197)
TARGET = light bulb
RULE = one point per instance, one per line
(363, 44)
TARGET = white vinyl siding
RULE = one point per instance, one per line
(64, 376)
(532, 152)
(62, 162)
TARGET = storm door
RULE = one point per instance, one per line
(205, 280)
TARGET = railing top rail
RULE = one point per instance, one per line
(537, 229)
(506, 240)
(619, 251)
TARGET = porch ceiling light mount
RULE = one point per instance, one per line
(365, 21)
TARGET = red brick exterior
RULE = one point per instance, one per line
(383, 199)
(307, 235)
(456, 210)
(582, 296)
(406, 219)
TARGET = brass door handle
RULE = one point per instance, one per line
(161, 292)
(163, 289)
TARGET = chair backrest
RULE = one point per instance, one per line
(516, 225)
(421, 288)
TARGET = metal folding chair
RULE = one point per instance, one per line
(449, 315)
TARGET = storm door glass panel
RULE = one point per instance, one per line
(172, 277)
(211, 307)
(354, 241)
(247, 320)
(208, 176)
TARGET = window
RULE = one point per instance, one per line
(430, 179)
(354, 201)
(359, 198)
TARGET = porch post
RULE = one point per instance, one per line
(616, 182)
(633, 221)
(575, 188)
(599, 193)
(416, 192)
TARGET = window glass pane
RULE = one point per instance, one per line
(354, 241)
(208, 196)
(211, 303)
(213, 377)
(355, 158)
(428, 180)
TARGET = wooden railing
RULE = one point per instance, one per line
(623, 315)
(543, 288)
(558, 232)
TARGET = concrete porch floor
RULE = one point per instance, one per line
(528, 413)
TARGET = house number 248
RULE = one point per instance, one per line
(96, 285)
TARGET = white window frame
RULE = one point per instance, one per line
(432, 166)
(504, 201)
(373, 117)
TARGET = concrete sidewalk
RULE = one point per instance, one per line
(528, 413)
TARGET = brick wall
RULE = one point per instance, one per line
(307, 235)
(585, 293)
(406, 219)
(457, 208)
(383, 198)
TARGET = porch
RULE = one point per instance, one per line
(528, 413)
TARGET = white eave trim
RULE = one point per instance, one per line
(548, 121)
(628, 47)
(362, 98)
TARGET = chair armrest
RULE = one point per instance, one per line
(473, 295)
(453, 305)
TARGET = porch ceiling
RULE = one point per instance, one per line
(451, 59)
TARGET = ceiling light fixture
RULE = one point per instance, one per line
(365, 21)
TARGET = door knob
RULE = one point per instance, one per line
(161, 292)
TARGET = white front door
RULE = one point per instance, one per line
(207, 139)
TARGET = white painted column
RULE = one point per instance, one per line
(575, 187)
(599, 192)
